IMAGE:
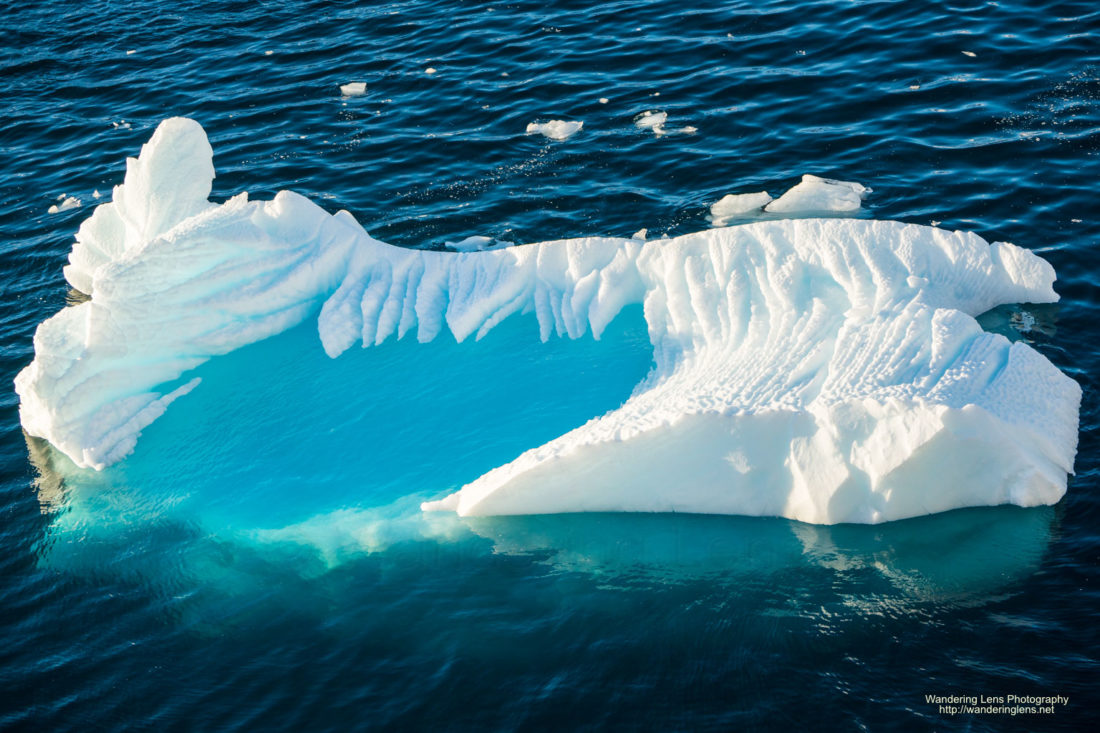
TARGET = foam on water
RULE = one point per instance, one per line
(825, 370)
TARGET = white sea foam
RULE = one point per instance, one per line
(826, 370)
(555, 129)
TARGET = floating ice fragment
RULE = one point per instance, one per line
(555, 129)
(353, 89)
(268, 53)
(734, 205)
(650, 120)
(969, 53)
(815, 194)
(471, 244)
(96, 194)
(604, 100)
(655, 121)
(429, 70)
(68, 202)
(825, 370)
(131, 52)
(640, 235)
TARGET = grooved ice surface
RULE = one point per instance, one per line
(825, 370)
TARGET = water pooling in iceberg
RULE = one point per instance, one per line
(821, 370)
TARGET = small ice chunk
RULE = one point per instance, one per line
(96, 194)
(819, 194)
(651, 121)
(969, 53)
(555, 129)
(131, 52)
(655, 121)
(604, 100)
(429, 70)
(734, 205)
(640, 235)
(478, 244)
(914, 87)
(70, 202)
(353, 89)
(268, 53)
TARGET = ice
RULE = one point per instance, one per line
(824, 370)
(604, 100)
(67, 202)
(640, 235)
(815, 194)
(650, 120)
(736, 205)
(353, 89)
(476, 243)
(656, 121)
(429, 70)
(555, 129)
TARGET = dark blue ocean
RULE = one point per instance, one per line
(168, 593)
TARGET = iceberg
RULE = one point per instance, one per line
(823, 370)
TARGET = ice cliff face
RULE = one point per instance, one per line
(823, 370)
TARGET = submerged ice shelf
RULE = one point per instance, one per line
(824, 370)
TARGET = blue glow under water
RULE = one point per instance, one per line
(260, 562)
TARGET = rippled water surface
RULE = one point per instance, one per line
(195, 594)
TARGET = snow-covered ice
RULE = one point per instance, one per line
(353, 89)
(555, 129)
(825, 370)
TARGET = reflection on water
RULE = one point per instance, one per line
(958, 554)
(964, 556)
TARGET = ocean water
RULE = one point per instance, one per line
(261, 564)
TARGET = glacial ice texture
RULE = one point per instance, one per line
(824, 370)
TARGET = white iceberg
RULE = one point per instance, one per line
(825, 370)
(555, 129)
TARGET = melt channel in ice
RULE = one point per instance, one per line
(824, 370)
